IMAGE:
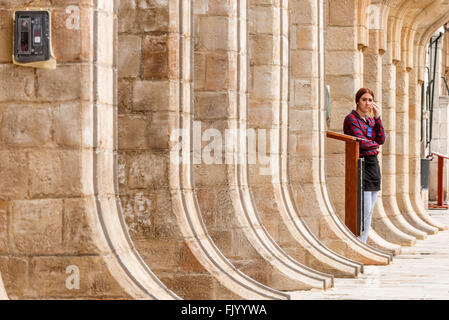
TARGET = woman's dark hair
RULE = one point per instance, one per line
(361, 92)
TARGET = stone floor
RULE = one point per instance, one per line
(419, 272)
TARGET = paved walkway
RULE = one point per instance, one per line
(419, 272)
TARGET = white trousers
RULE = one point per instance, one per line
(369, 198)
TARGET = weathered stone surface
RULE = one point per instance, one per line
(15, 276)
(147, 170)
(36, 226)
(342, 13)
(341, 38)
(127, 13)
(304, 39)
(26, 126)
(155, 57)
(187, 261)
(211, 105)
(150, 95)
(60, 84)
(303, 63)
(139, 208)
(217, 72)
(214, 35)
(79, 234)
(210, 175)
(303, 12)
(342, 62)
(124, 95)
(6, 17)
(55, 173)
(262, 50)
(198, 286)
(129, 55)
(50, 276)
(14, 173)
(67, 124)
(161, 254)
(16, 83)
(133, 132)
(159, 131)
(153, 19)
(70, 31)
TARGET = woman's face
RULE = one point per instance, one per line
(365, 102)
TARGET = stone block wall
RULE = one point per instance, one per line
(48, 220)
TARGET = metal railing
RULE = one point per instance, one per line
(440, 187)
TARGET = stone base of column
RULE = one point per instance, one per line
(378, 242)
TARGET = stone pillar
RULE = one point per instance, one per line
(66, 237)
(148, 71)
(393, 233)
(415, 227)
(418, 204)
(343, 73)
(268, 111)
(157, 132)
(307, 181)
(343, 76)
(373, 80)
(221, 80)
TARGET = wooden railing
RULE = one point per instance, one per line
(351, 179)
(440, 187)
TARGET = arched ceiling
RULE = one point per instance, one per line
(410, 22)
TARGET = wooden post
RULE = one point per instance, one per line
(351, 157)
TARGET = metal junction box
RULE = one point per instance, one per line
(32, 45)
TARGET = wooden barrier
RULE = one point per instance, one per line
(351, 178)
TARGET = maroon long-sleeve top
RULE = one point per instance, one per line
(371, 132)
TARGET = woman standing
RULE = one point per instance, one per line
(365, 123)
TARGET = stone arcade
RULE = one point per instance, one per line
(86, 177)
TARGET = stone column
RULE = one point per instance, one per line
(148, 70)
(336, 63)
(415, 152)
(343, 75)
(415, 218)
(221, 80)
(402, 150)
(66, 238)
(394, 233)
(157, 137)
(268, 113)
(373, 80)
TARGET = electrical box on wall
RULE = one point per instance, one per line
(32, 42)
